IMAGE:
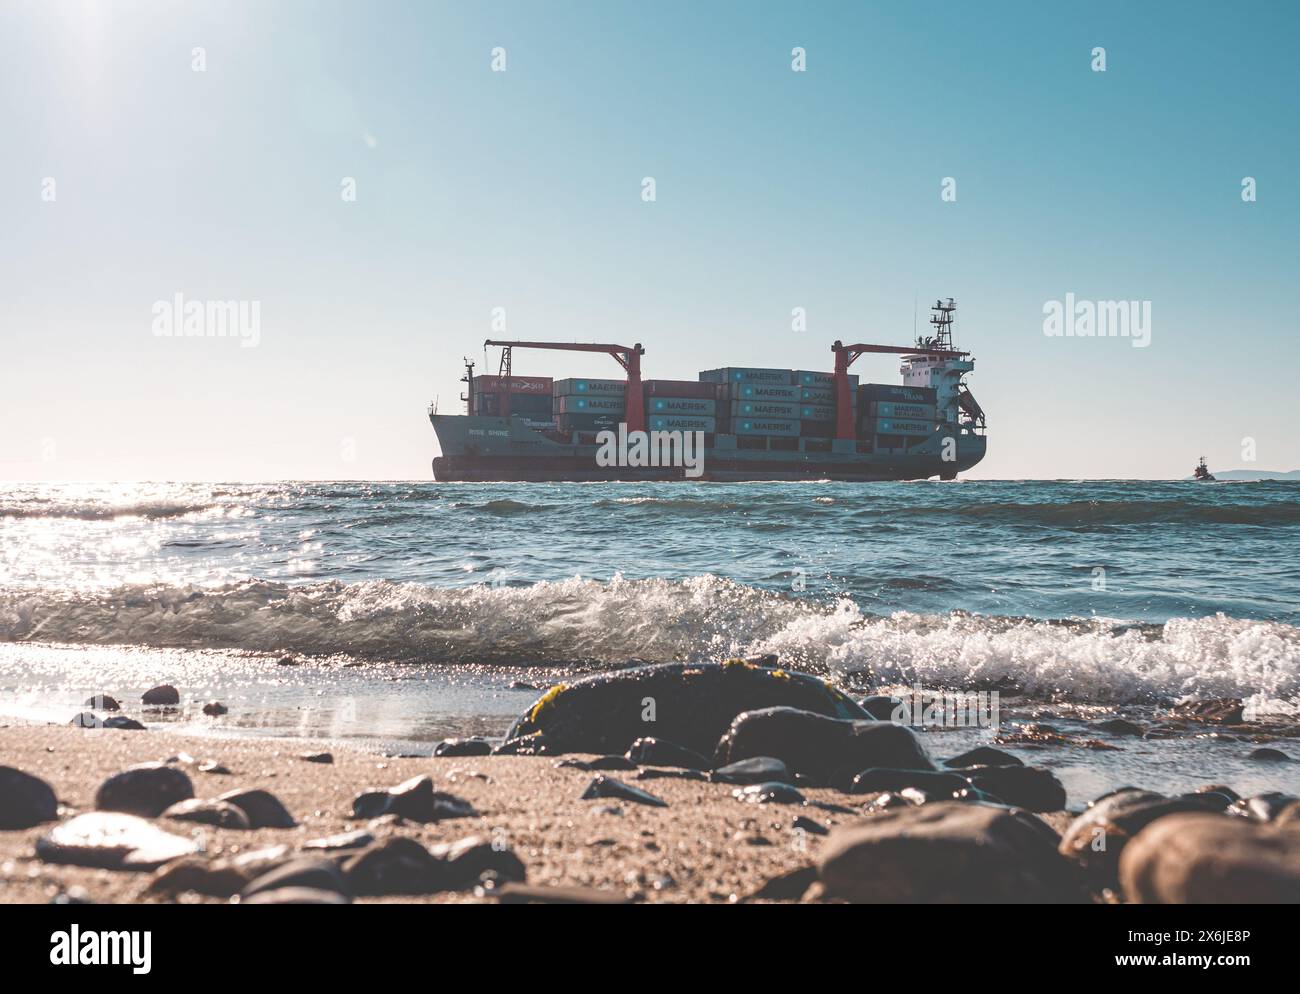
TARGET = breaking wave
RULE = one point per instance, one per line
(701, 618)
(101, 510)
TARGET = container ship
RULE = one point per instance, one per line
(729, 424)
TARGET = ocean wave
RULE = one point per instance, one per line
(102, 510)
(1082, 513)
(595, 623)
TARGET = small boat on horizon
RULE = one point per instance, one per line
(1203, 474)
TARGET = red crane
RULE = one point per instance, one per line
(846, 356)
(628, 358)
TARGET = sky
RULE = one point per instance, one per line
(361, 174)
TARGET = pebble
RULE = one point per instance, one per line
(112, 840)
(648, 751)
(263, 808)
(103, 702)
(146, 789)
(982, 756)
(1269, 755)
(603, 786)
(806, 824)
(316, 872)
(1028, 787)
(221, 814)
(599, 763)
(164, 695)
(1119, 726)
(758, 769)
(122, 723)
(317, 757)
(344, 840)
(25, 800)
(296, 895)
(201, 876)
(397, 865)
(476, 746)
(215, 708)
(414, 799)
(772, 792)
(467, 861)
(213, 767)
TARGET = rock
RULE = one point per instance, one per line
(880, 779)
(476, 746)
(213, 767)
(522, 685)
(599, 763)
(200, 876)
(1269, 755)
(215, 708)
(669, 773)
(296, 895)
(305, 871)
(790, 886)
(1096, 839)
(343, 841)
(397, 865)
(883, 707)
(1209, 859)
(103, 702)
(164, 695)
(826, 749)
(222, 814)
(263, 808)
(907, 797)
(73, 895)
(25, 800)
(756, 770)
(533, 744)
(286, 661)
(772, 792)
(1218, 788)
(316, 757)
(693, 704)
(1119, 726)
(603, 786)
(1215, 711)
(86, 719)
(468, 860)
(146, 789)
(1027, 787)
(414, 799)
(122, 723)
(649, 751)
(805, 824)
(1262, 807)
(947, 853)
(512, 893)
(111, 840)
(982, 756)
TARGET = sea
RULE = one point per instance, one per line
(391, 615)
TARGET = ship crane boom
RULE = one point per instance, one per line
(627, 357)
(847, 355)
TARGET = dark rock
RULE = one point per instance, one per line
(122, 723)
(880, 779)
(146, 789)
(263, 808)
(599, 763)
(522, 685)
(1097, 837)
(25, 800)
(111, 840)
(982, 756)
(414, 799)
(343, 841)
(103, 702)
(1026, 787)
(215, 708)
(1218, 800)
(1270, 755)
(1262, 807)
(305, 871)
(316, 757)
(86, 719)
(1208, 859)
(476, 746)
(603, 786)
(1218, 788)
(200, 876)
(947, 853)
(755, 770)
(296, 895)
(286, 661)
(789, 886)
(827, 749)
(512, 893)
(669, 773)
(908, 797)
(533, 744)
(973, 795)
(649, 751)
(1215, 711)
(164, 695)
(885, 708)
(222, 814)
(806, 824)
(467, 861)
(396, 865)
(1119, 726)
(691, 704)
(772, 792)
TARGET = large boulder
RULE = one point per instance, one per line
(25, 800)
(1210, 859)
(828, 749)
(691, 704)
(947, 852)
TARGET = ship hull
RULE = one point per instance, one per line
(488, 449)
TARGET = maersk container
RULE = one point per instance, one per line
(681, 388)
(681, 422)
(892, 409)
(764, 409)
(816, 429)
(761, 391)
(824, 381)
(739, 374)
(869, 392)
(816, 395)
(580, 388)
(682, 405)
(816, 412)
(593, 405)
(895, 426)
(779, 427)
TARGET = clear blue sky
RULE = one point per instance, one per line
(478, 189)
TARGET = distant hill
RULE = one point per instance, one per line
(1252, 474)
